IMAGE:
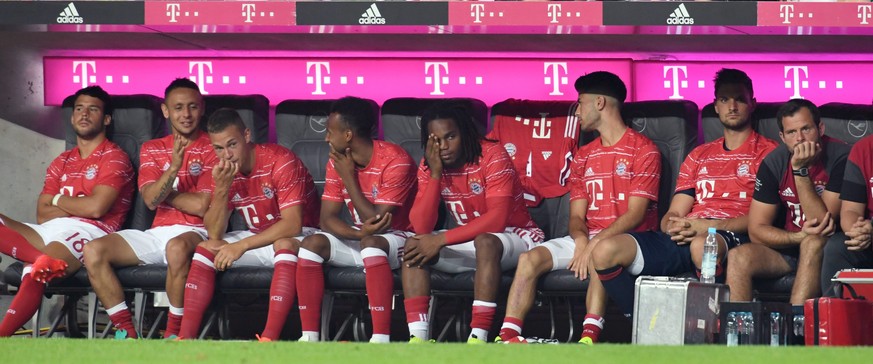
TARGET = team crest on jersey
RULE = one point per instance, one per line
(375, 192)
(476, 186)
(195, 168)
(268, 190)
(91, 172)
(621, 167)
(743, 169)
(511, 149)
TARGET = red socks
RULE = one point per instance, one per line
(380, 288)
(283, 290)
(198, 292)
(310, 290)
(24, 305)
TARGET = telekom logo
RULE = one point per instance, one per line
(81, 72)
(794, 80)
(202, 75)
(477, 11)
(678, 78)
(173, 10)
(554, 11)
(321, 77)
(439, 76)
(864, 12)
(247, 11)
(557, 78)
(786, 12)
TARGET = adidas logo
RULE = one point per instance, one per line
(70, 15)
(589, 172)
(680, 16)
(546, 155)
(703, 170)
(788, 192)
(236, 198)
(446, 191)
(372, 16)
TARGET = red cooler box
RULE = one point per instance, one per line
(838, 322)
(860, 279)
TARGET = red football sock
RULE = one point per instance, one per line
(15, 245)
(198, 292)
(483, 315)
(511, 328)
(174, 324)
(417, 308)
(380, 289)
(122, 319)
(24, 305)
(310, 290)
(283, 290)
(592, 326)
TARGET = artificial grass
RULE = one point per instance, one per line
(18, 350)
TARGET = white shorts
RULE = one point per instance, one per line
(347, 253)
(562, 250)
(150, 246)
(72, 233)
(462, 257)
(260, 257)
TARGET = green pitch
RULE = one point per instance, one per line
(18, 350)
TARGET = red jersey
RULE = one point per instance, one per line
(387, 180)
(107, 165)
(155, 158)
(723, 180)
(540, 138)
(775, 182)
(606, 178)
(278, 180)
(858, 182)
(464, 190)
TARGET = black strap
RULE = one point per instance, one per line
(852, 292)
(815, 323)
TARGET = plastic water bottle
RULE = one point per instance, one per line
(748, 332)
(710, 255)
(732, 332)
(775, 329)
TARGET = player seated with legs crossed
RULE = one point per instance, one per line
(87, 194)
(613, 190)
(375, 180)
(714, 189)
(169, 172)
(796, 201)
(851, 248)
(271, 188)
(481, 190)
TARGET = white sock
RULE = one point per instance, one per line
(380, 339)
(419, 330)
(178, 311)
(479, 334)
(117, 308)
(310, 335)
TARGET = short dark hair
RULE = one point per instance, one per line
(223, 118)
(357, 113)
(471, 137)
(793, 106)
(99, 93)
(180, 83)
(602, 83)
(732, 76)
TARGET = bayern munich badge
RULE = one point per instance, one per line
(268, 191)
(375, 192)
(511, 149)
(743, 169)
(91, 172)
(476, 187)
(621, 167)
(195, 168)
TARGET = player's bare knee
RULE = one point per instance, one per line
(813, 244)
(286, 244)
(317, 244)
(377, 242)
(529, 262)
(488, 246)
(605, 254)
(212, 245)
(741, 259)
(95, 253)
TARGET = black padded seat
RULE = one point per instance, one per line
(847, 122)
(244, 279)
(561, 282)
(353, 279)
(462, 282)
(253, 109)
(75, 283)
(401, 120)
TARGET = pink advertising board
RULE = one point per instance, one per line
(773, 81)
(489, 79)
(525, 13)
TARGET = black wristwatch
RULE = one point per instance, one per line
(803, 172)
